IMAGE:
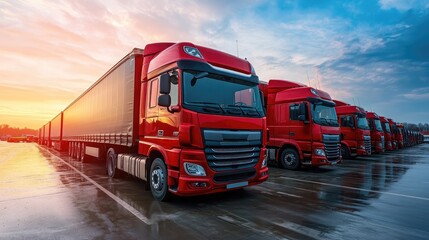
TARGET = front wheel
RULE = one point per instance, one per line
(345, 152)
(158, 180)
(289, 159)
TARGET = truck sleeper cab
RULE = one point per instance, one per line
(387, 133)
(393, 130)
(377, 133)
(302, 124)
(355, 133)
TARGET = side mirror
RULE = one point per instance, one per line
(164, 100)
(164, 84)
(302, 112)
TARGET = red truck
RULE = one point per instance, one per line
(399, 135)
(387, 133)
(302, 123)
(186, 119)
(377, 133)
(393, 130)
(355, 133)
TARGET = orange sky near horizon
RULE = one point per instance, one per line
(360, 52)
(52, 51)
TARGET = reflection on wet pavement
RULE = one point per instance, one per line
(46, 196)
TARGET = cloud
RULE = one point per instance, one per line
(359, 49)
(397, 63)
(402, 5)
(418, 94)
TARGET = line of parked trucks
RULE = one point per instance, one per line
(191, 120)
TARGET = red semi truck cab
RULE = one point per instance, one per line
(202, 115)
(393, 130)
(355, 133)
(399, 135)
(377, 133)
(387, 133)
(303, 125)
(186, 119)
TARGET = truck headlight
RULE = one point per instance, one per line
(319, 152)
(265, 161)
(194, 169)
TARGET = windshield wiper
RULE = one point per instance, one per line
(247, 110)
(324, 120)
(333, 122)
(209, 106)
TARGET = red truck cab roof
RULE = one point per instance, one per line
(344, 108)
(173, 52)
(295, 91)
(383, 119)
(372, 115)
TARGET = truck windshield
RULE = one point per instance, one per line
(222, 95)
(362, 122)
(387, 127)
(324, 115)
(378, 125)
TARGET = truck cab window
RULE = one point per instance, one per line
(347, 121)
(174, 93)
(153, 96)
(294, 111)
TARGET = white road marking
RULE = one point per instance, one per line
(132, 210)
(289, 194)
(300, 229)
(354, 188)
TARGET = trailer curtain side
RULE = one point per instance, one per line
(104, 113)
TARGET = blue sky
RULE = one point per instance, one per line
(372, 53)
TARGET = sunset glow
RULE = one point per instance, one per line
(52, 51)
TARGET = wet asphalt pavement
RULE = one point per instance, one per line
(46, 195)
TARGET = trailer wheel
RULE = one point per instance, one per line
(345, 151)
(289, 159)
(78, 151)
(111, 163)
(70, 149)
(158, 178)
(73, 152)
(82, 152)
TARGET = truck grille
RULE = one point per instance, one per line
(367, 143)
(232, 151)
(332, 147)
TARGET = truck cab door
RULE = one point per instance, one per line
(151, 109)
(168, 120)
(300, 129)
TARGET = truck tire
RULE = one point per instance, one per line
(73, 150)
(82, 152)
(78, 151)
(289, 159)
(345, 153)
(111, 160)
(70, 149)
(158, 178)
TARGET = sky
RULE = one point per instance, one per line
(372, 53)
